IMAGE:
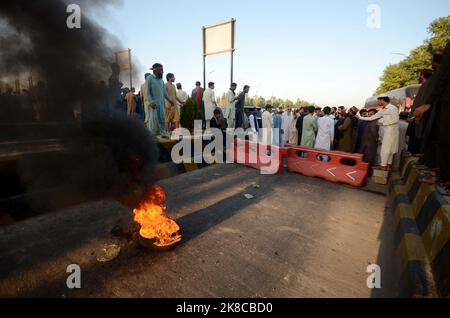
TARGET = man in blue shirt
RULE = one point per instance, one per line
(156, 95)
(277, 121)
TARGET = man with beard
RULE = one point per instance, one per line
(156, 95)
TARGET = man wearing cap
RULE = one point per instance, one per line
(438, 99)
(389, 118)
(156, 95)
(209, 98)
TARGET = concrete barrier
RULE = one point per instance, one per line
(422, 237)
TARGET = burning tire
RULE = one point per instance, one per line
(151, 244)
(158, 232)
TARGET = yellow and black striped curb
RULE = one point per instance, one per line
(422, 236)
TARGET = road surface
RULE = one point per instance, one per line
(297, 237)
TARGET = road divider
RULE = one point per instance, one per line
(422, 237)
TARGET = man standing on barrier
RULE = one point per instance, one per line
(389, 120)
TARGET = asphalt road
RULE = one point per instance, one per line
(297, 237)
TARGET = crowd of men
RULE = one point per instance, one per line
(377, 134)
(159, 103)
(380, 133)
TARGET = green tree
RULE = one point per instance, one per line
(189, 113)
(405, 72)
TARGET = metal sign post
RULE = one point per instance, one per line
(131, 69)
(218, 39)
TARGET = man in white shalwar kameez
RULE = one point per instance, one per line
(209, 98)
(230, 109)
(254, 125)
(267, 125)
(389, 120)
(286, 121)
(325, 133)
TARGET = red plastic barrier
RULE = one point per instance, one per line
(266, 158)
(341, 166)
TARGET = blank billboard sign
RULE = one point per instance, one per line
(123, 59)
(218, 38)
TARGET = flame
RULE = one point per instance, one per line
(155, 224)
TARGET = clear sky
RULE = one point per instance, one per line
(320, 51)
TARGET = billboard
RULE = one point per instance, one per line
(123, 59)
(219, 38)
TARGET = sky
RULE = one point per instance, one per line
(319, 51)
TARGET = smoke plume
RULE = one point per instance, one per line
(105, 152)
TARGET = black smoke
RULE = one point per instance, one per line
(106, 153)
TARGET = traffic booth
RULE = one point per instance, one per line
(267, 158)
(334, 166)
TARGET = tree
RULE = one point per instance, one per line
(189, 113)
(405, 72)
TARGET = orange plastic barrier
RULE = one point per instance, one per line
(267, 158)
(338, 167)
